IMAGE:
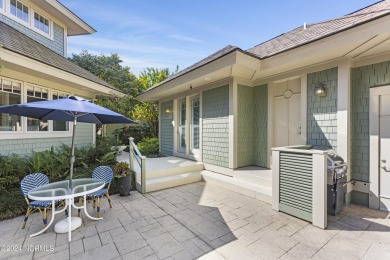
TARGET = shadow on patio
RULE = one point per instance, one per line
(202, 220)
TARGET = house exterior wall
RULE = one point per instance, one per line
(260, 124)
(166, 128)
(363, 78)
(245, 124)
(322, 111)
(57, 44)
(215, 126)
(84, 137)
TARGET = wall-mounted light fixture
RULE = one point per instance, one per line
(320, 90)
(168, 110)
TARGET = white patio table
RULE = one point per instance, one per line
(60, 191)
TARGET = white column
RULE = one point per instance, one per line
(343, 111)
(233, 124)
(304, 107)
(319, 209)
(275, 180)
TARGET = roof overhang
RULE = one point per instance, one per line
(234, 64)
(16, 63)
(358, 43)
(75, 25)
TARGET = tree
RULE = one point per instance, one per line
(152, 76)
(146, 111)
(109, 69)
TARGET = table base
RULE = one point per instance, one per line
(63, 225)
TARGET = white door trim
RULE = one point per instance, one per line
(375, 93)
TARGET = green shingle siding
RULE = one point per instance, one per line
(57, 44)
(84, 137)
(166, 128)
(322, 111)
(245, 114)
(260, 124)
(362, 79)
(215, 126)
(252, 125)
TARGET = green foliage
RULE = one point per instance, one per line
(138, 132)
(152, 76)
(12, 203)
(147, 112)
(109, 69)
(149, 146)
(54, 164)
(122, 105)
(121, 169)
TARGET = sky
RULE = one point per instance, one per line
(166, 33)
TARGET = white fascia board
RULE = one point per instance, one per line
(216, 65)
(66, 16)
(39, 67)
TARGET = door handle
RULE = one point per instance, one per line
(384, 166)
(299, 131)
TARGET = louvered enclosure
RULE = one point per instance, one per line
(295, 184)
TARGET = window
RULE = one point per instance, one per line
(10, 94)
(1, 4)
(60, 125)
(182, 125)
(41, 23)
(36, 94)
(19, 10)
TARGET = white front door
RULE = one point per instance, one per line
(287, 113)
(182, 126)
(380, 148)
(384, 153)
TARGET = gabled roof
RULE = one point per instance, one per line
(315, 31)
(17, 42)
(216, 55)
(296, 37)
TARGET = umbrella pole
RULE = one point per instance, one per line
(72, 158)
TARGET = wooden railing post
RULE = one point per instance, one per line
(143, 174)
(131, 153)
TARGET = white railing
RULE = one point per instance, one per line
(136, 156)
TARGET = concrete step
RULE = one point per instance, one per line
(256, 191)
(254, 175)
(171, 181)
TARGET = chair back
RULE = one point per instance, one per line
(103, 173)
(31, 181)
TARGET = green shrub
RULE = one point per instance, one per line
(12, 203)
(138, 132)
(149, 146)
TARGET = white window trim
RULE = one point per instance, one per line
(24, 134)
(6, 10)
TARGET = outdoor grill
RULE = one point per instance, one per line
(337, 179)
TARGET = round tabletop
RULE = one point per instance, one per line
(60, 190)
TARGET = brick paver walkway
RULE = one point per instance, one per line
(202, 221)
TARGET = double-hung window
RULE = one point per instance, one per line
(37, 94)
(41, 23)
(19, 10)
(10, 94)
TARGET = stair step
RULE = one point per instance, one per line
(256, 191)
(172, 181)
(255, 175)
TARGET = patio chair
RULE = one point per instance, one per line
(29, 182)
(105, 174)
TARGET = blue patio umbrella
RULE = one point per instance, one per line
(67, 109)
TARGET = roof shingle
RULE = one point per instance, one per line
(315, 31)
(15, 41)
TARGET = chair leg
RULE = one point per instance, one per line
(26, 217)
(99, 201)
(109, 200)
(94, 203)
(45, 216)
(80, 204)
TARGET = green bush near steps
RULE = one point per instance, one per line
(149, 147)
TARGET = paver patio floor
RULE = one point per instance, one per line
(204, 221)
